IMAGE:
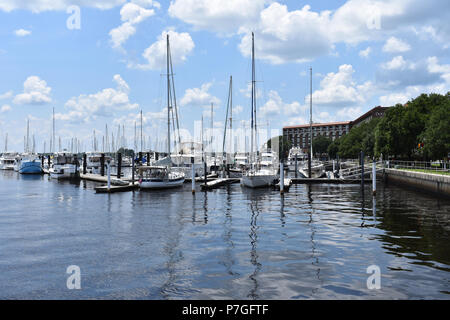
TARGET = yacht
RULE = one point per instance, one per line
(7, 160)
(296, 155)
(29, 163)
(317, 169)
(65, 166)
(93, 162)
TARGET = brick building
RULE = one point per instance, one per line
(299, 135)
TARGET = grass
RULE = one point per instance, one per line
(446, 173)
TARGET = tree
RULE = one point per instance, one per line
(320, 144)
(333, 149)
(436, 138)
(361, 138)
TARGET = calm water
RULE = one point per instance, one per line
(230, 243)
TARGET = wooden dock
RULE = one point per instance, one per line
(104, 179)
(114, 189)
(209, 177)
(216, 183)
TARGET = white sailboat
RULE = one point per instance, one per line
(162, 177)
(257, 176)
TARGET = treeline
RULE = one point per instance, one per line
(418, 130)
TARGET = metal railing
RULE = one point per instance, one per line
(437, 166)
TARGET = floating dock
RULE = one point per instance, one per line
(104, 179)
(216, 183)
(114, 189)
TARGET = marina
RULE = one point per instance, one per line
(314, 242)
(225, 151)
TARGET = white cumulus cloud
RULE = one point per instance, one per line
(35, 91)
(181, 45)
(339, 88)
(131, 14)
(394, 44)
(22, 32)
(103, 103)
(199, 97)
(37, 6)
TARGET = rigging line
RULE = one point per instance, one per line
(174, 97)
(226, 118)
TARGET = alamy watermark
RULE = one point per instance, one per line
(74, 280)
(74, 20)
(374, 280)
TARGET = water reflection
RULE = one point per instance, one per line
(253, 252)
(314, 258)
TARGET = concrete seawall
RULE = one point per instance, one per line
(434, 183)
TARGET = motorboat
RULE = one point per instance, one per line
(159, 177)
(65, 166)
(296, 155)
(7, 160)
(93, 162)
(317, 169)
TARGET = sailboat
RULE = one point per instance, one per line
(257, 176)
(317, 168)
(162, 177)
(29, 162)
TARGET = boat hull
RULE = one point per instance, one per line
(32, 167)
(65, 173)
(258, 181)
(161, 183)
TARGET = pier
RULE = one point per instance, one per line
(216, 183)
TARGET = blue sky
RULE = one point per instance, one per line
(363, 53)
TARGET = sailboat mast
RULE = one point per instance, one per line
(253, 120)
(310, 113)
(28, 136)
(141, 131)
(168, 100)
(53, 133)
(6, 143)
(231, 114)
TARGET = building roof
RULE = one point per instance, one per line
(368, 113)
(318, 125)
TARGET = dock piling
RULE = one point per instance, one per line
(193, 175)
(108, 169)
(374, 178)
(84, 163)
(119, 164)
(362, 169)
(296, 167)
(102, 165)
(281, 177)
(132, 171)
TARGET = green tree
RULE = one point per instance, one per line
(436, 137)
(320, 144)
(361, 138)
(333, 149)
